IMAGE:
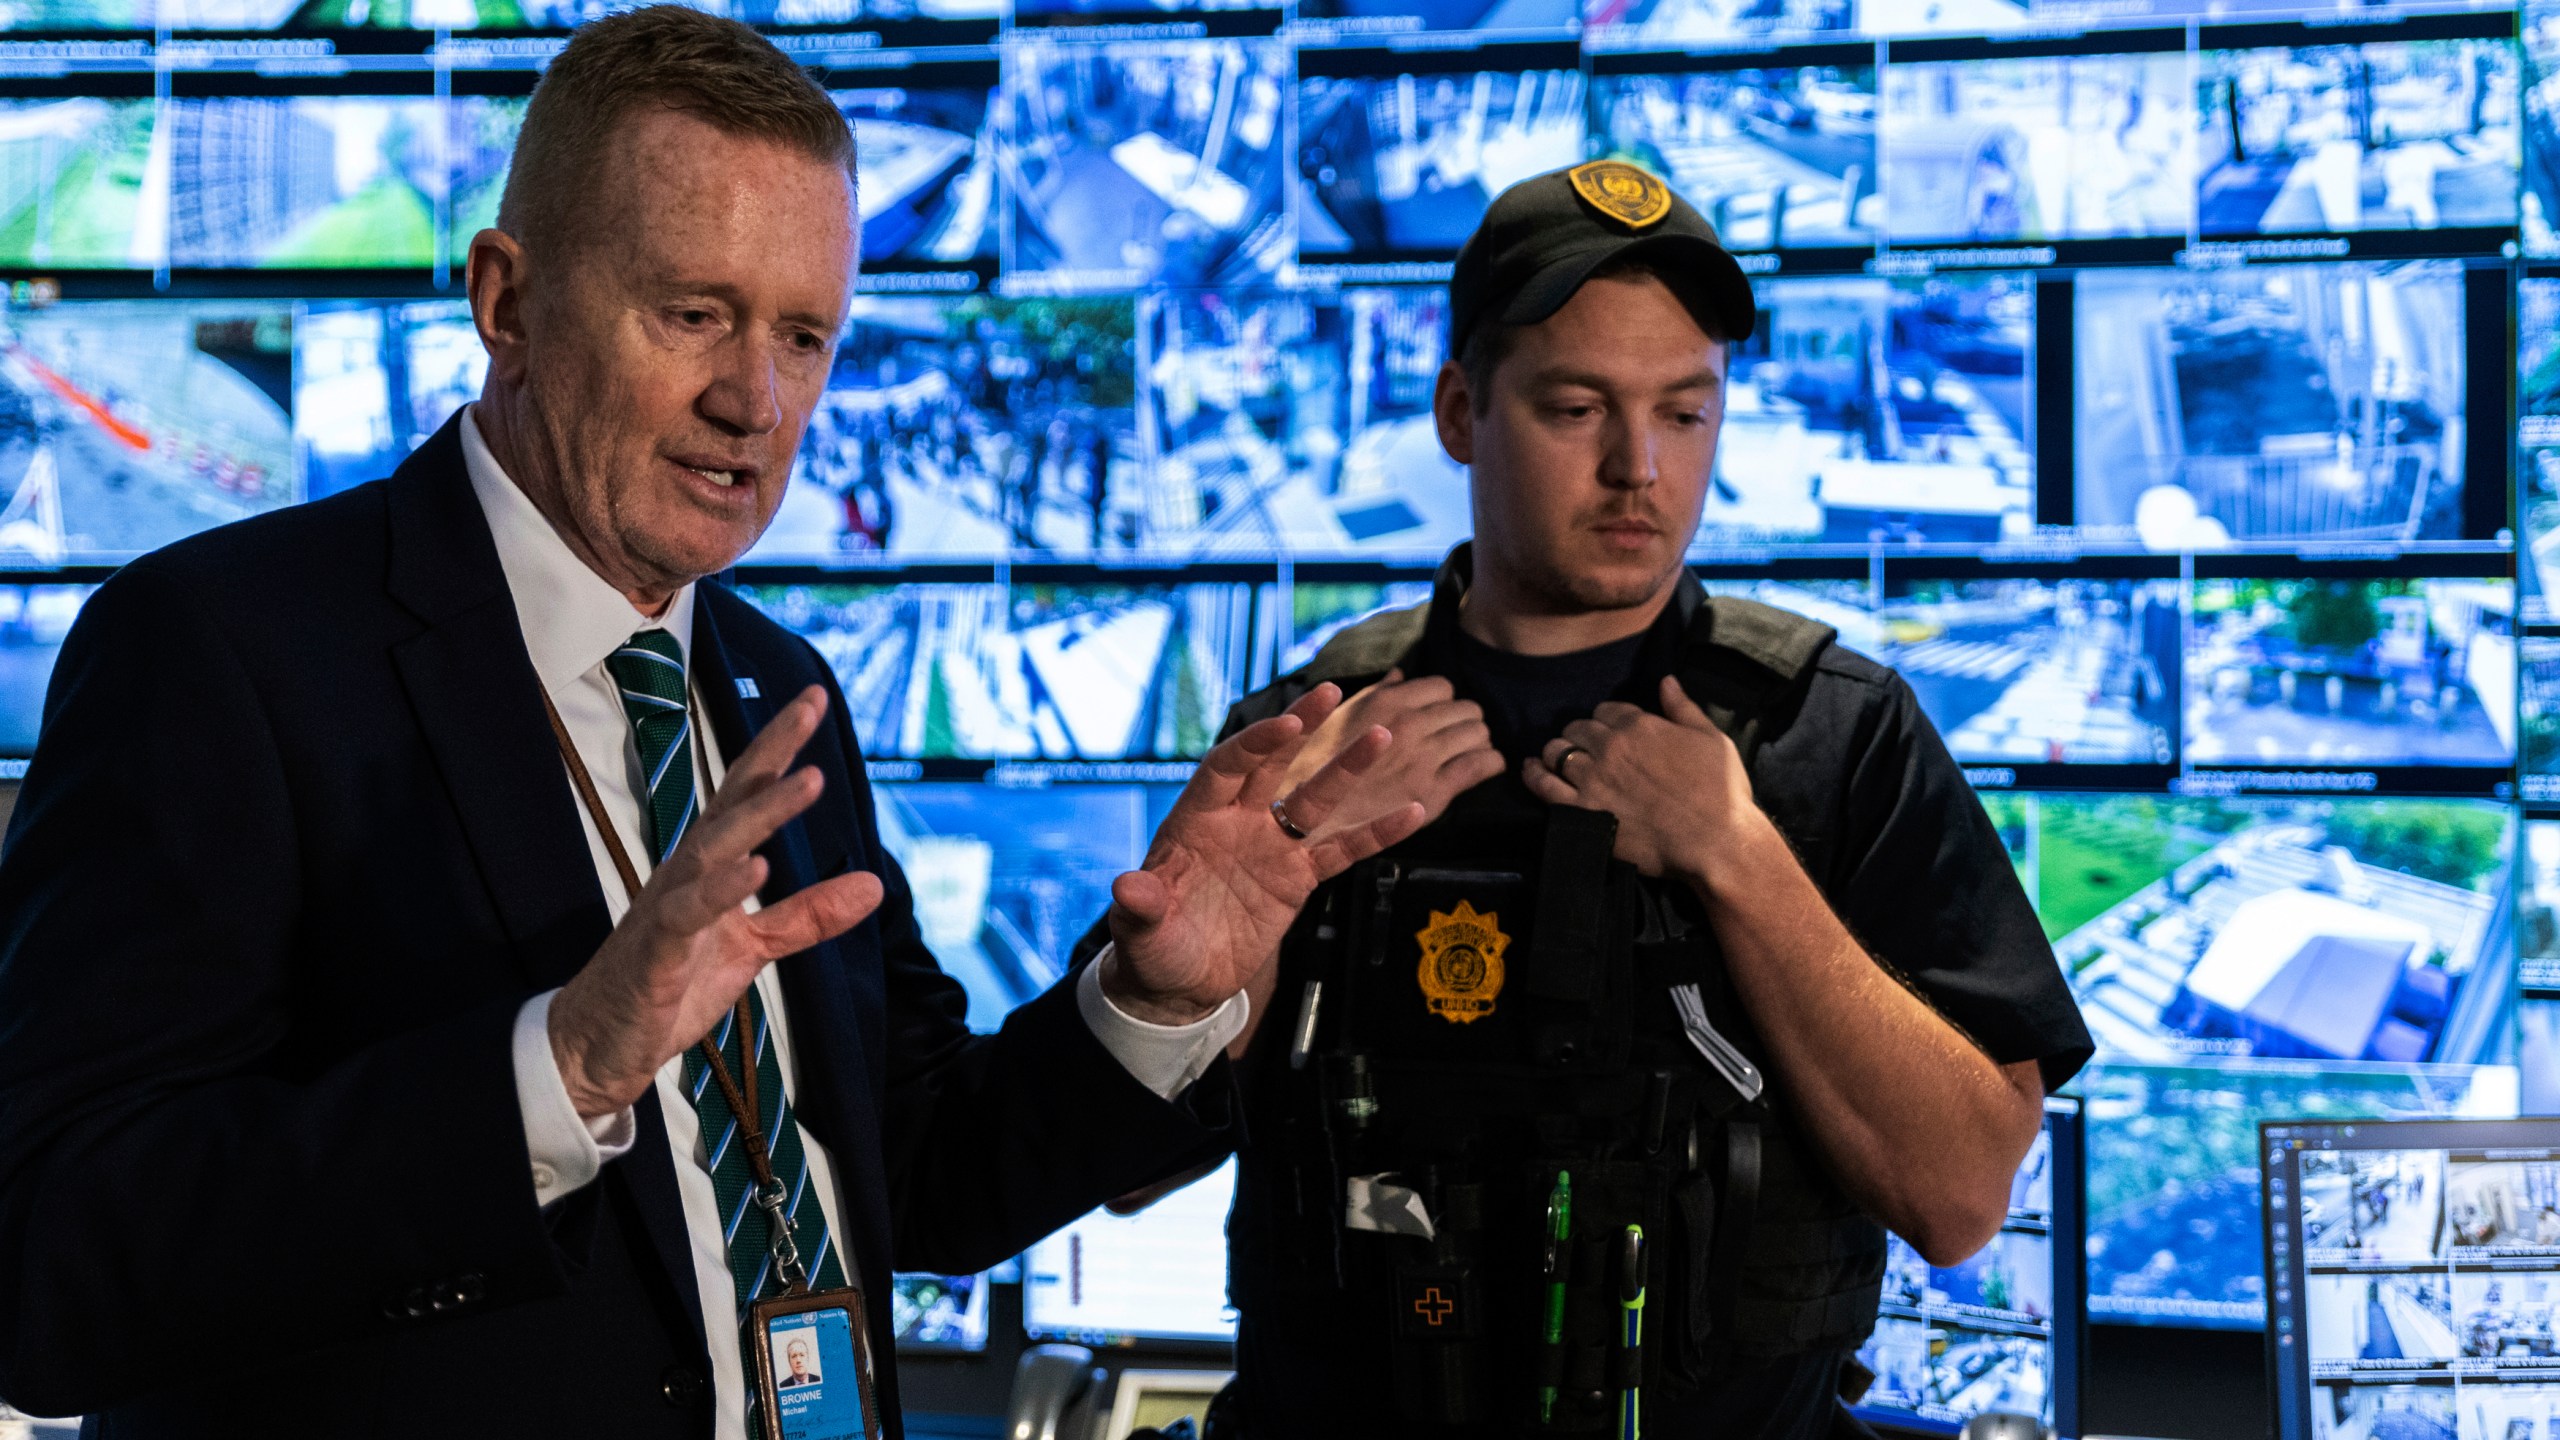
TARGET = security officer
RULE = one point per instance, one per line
(1590, 1103)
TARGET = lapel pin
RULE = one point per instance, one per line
(747, 689)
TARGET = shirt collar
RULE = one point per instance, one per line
(571, 617)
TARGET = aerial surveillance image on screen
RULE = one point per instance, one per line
(2058, 148)
(125, 425)
(2248, 959)
(974, 427)
(2352, 673)
(372, 382)
(2539, 206)
(1871, 406)
(1406, 164)
(2414, 135)
(1087, 672)
(75, 177)
(1285, 424)
(1318, 611)
(1772, 158)
(306, 181)
(2285, 402)
(928, 157)
(1007, 879)
(34, 619)
(2073, 672)
(1142, 164)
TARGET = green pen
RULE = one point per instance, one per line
(1559, 1229)
(1631, 1336)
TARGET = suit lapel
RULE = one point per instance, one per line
(472, 685)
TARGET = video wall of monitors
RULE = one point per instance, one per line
(2169, 389)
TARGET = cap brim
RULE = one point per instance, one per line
(1722, 286)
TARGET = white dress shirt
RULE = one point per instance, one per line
(572, 620)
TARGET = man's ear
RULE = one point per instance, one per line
(1453, 409)
(494, 275)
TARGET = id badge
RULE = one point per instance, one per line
(812, 1356)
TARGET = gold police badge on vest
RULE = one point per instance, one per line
(1628, 194)
(1462, 963)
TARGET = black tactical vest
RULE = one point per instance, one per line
(1489, 1014)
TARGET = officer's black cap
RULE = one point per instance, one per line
(1544, 236)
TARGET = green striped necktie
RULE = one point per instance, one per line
(649, 671)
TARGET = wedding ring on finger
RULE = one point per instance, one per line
(1288, 827)
(1567, 753)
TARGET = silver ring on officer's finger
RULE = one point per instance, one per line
(1288, 827)
(1567, 753)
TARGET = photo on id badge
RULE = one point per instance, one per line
(810, 1371)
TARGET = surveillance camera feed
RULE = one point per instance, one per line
(1497, 15)
(1405, 164)
(372, 382)
(1894, 409)
(983, 672)
(327, 181)
(1772, 158)
(972, 427)
(2247, 959)
(33, 621)
(77, 183)
(2539, 205)
(1670, 23)
(2416, 1267)
(2060, 148)
(2352, 673)
(480, 141)
(939, 1312)
(2276, 403)
(928, 158)
(2419, 135)
(1999, 1331)
(1133, 165)
(125, 425)
(2538, 442)
(2072, 672)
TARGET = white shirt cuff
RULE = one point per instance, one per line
(567, 1149)
(1165, 1058)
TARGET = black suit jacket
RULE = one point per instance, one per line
(294, 848)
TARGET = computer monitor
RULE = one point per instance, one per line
(1157, 1275)
(939, 1313)
(2005, 1329)
(2414, 1278)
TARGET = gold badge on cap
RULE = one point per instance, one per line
(1462, 963)
(1629, 194)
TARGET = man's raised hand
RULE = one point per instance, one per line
(1441, 749)
(1223, 880)
(687, 948)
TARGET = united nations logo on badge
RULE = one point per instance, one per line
(1462, 963)
(1628, 194)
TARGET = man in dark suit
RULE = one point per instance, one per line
(384, 861)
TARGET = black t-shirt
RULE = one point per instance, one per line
(1529, 699)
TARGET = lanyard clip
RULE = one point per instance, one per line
(781, 1238)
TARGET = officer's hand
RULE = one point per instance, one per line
(687, 948)
(1441, 748)
(1676, 784)
(1203, 918)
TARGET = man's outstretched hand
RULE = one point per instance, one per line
(1203, 918)
(687, 948)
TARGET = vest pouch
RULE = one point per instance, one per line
(1489, 944)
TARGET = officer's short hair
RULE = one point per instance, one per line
(1493, 341)
(718, 71)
